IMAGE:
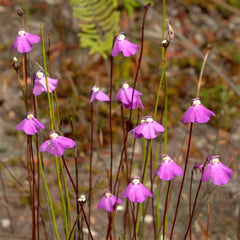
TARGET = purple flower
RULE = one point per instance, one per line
(40, 83)
(24, 41)
(108, 202)
(148, 128)
(197, 166)
(136, 192)
(30, 125)
(121, 44)
(168, 169)
(56, 145)
(125, 96)
(99, 95)
(197, 113)
(219, 173)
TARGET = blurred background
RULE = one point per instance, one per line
(79, 46)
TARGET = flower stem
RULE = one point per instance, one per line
(49, 196)
(183, 179)
(195, 202)
(110, 125)
(201, 73)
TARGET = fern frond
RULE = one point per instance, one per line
(99, 21)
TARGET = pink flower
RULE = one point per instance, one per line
(148, 128)
(99, 95)
(24, 41)
(197, 113)
(125, 96)
(56, 145)
(168, 169)
(40, 83)
(136, 192)
(215, 170)
(30, 125)
(109, 202)
(121, 44)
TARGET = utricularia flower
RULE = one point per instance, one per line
(148, 128)
(215, 170)
(125, 95)
(57, 145)
(197, 113)
(40, 83)
(30, 125)
(98, 95)
(136, 191)
(168, 169)
(109, 201)
(121, 44)
(24, 41)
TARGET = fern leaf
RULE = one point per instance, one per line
(99, 21)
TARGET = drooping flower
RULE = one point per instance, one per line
(197, 113)
(109, 201)
(30, 125)
(99, 95)
(136, 191)
(198, 167)
(168, 169)
(215, 170)
(56, 145)
(148, 128)
(125, 96)
(121, 44)
(24, 41)
(40, 83)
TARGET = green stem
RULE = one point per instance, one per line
(49, 197)
(46, 77)
(63, 206)
(67, 195)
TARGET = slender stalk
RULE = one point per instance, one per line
(51, 111)
(63, 204)
(195, 202)
(201, 73)
(90, 169)
(208, 220)
(49, 197)
(190, 204)
(183, 179)
(151, 179)
(68, 204)
(110, 124)
(165, 219)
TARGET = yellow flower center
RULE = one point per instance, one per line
(125, 85)
(21, 33)
(53, 135)
(196, 102)
(215, 160)
(135, 181)
(166, 158)
(143, 121)
(30, 116)
(39, 74)
(108, 194)
(95, 89)
(121, 37)
(149, 120)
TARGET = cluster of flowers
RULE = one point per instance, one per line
(148, 128)
(56, 145)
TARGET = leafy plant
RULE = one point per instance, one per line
(99, 21)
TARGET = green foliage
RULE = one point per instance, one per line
(130, 5)
(99, 22)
